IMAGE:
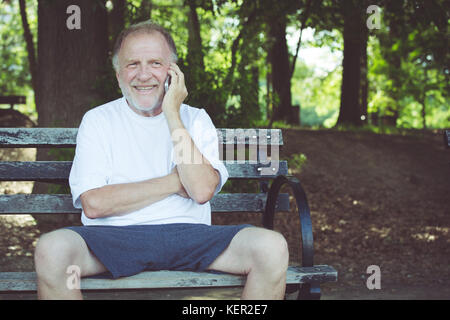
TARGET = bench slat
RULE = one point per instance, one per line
(58, 171)
(26, 281)
(62, 203)
(66, 137)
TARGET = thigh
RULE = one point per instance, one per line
(71, 249)
(238, 257)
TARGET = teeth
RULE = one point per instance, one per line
(144, 88)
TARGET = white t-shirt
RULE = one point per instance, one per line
(116, 145)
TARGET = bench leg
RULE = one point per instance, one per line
(306, 291)
(309, 291)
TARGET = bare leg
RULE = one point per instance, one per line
(57, 256)
(263, 256)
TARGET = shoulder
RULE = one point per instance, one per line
(104, 111)
(190, 114)
(98, 119)
(187, 110)
(101, 117)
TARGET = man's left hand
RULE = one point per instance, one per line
(177, 92)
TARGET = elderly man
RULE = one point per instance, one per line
(144, 206)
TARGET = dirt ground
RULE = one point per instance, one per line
(375, 199)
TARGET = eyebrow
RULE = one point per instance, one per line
(130, 60)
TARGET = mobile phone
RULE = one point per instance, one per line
(166, 84)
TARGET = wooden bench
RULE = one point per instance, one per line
(305, 278)
(12, 100)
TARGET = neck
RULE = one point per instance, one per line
(152, 112)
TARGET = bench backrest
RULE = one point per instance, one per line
(245, 153)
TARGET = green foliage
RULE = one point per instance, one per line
(297, 161)
(317, 91)
(15, 78)
(241, 186)
(226, 71)
(409, 74)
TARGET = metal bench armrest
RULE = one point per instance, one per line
(303, 211)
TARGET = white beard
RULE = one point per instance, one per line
(146, 110)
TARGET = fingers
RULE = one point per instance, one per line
(177, 78)
(176, 73)
(177, 92)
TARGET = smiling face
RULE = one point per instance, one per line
(144, 60)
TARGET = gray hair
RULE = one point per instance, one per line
(144, 27)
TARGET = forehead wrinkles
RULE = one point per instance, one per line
(152, 43)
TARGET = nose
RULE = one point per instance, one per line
(144, 73)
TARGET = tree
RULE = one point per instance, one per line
(69, 61)
(281, 63)
(68, 64)
(415, 48)
(279, 60)
(15, 75)
(354, 45)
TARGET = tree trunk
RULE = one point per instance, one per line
(269, 91)
(424, 121)
(350, 109)
(364, 86)
(281, 81)
(30, 44)
(195, 56)
(195, 66)
(116, 19)
(70, 62)
(394, 57)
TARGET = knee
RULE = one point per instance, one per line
(52, 255)
(271, 253)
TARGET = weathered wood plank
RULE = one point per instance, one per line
(66, 137)
(37, 137)
(62, 203)
(26, 281)
(49, 171)
(246, 202)
(58, 171)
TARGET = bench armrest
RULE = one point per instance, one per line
(303, 211)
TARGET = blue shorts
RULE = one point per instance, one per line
(128, 250)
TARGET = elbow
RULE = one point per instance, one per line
(90, 207)
(201, 199)
(91, 213)
(203, 196)
(206, 193)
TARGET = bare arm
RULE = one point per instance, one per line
(120, 199)
(199, 179)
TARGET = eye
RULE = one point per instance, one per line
(156, 63)
(132, 64)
